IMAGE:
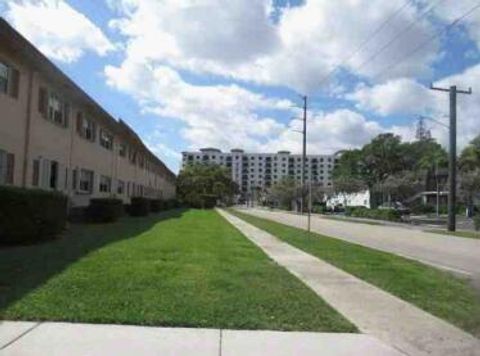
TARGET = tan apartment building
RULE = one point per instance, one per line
(53, 136)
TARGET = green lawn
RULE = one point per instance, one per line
(435, 291)
(468, 234)
(182, 268)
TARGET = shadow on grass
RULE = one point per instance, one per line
(25, 268)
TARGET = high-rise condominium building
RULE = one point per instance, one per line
(262, 170)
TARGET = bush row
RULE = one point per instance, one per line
(421, 209)
(30, 215)
(110, 209)
(476, 222)
(378, 214)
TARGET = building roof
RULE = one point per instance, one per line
(27, 52)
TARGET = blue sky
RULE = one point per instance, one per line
(188, 74)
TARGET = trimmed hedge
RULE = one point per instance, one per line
(173, 204)
(30, 215)
(377, 214)
(157, 205)
(476, 222)
(139, 206)
(104, 210)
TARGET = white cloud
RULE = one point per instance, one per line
(218, 115)
(164, 37)
(241, 40)
(449, 11)
(227, 116)
(405, 96)
(328, 132)
(57, 29)
(399, 96)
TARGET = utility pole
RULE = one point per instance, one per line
(452, 159)
(304, 153)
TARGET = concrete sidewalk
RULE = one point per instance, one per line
(374, 311)
(457, 254)
(59, 339)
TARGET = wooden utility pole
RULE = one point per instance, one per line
(452, 159)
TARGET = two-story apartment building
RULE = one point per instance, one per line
(54, 136)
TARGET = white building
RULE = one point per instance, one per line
(262, 170)
(353, 199)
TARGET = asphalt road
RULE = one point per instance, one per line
(456, 254)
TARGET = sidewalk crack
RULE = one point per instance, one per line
(220, 343)
(20, 336)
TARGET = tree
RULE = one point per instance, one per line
(400, 186)
(383, 165)
(470, 156)
(201, 185)
(469, 164)
(284, 192)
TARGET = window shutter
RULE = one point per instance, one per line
(94, 136)
(75, 179)
(95, 183)
(10, 167)
(67, 114)
(46, 166)
(13, 83)
(61, 177)
(43, 101)
(36, 173)
(79, 122)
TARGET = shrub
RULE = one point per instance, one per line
(102, 210)
(30, 215)
(350, 209)
(422, 209)
(476, 222)
(172, 204)
(139, 206)
(378, 214)
(157, 205)
(319, 209)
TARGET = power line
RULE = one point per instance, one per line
(366, 41)
(428, 40)
(398, 35)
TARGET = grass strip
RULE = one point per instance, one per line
(184, 268)
(437, 292)
(467, 234)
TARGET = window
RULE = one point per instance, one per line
(122, 151)
(106, 139)
(9, 80)
(3, 78)
(53, 181)
(7, 162)
(57, 109)
(105, 184)
(36, 173)
(132, 156)
(86, 127)
(86, 181)
(120, 187)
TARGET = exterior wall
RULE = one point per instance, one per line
(13, 113)
(261, 170)
(45, 141)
